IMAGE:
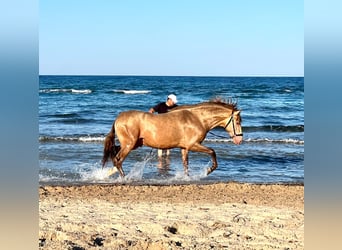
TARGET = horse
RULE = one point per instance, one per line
(183, 127)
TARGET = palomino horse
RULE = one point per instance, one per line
(184, 127)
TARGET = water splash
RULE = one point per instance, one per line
(136, 173)
(94, 174)
(193, 176)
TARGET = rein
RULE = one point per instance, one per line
(220, 136)
(229, 121)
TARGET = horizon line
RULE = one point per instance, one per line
(172, 75)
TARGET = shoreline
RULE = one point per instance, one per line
(177, 183)
(176, 216)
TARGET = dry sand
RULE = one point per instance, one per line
(212, 216)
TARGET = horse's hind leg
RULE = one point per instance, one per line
(117, 167)
(117, 162)
(185, 160)
(121, 156)
(128, 140)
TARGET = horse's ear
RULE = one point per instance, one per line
(237, 112)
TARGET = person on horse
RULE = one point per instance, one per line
(164, 107)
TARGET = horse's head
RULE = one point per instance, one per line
(233, 127)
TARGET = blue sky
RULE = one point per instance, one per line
(197, 38)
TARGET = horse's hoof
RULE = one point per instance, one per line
(112, 171)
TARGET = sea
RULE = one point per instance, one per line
(77, 112)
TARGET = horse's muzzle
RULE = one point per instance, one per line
(237, 139)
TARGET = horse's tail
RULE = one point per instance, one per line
(109, 149)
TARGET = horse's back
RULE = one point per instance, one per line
(142, 116)
(129, 115)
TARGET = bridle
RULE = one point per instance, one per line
(229, 121)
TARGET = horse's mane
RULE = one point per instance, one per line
(228, 103)
(225, 102)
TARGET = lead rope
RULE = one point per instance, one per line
(231, 117)
(217, 135)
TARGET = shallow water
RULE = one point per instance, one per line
(76, 112)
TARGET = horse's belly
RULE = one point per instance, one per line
(168, 137)
(162, 142)
(160, 145)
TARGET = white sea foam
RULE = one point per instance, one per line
(91, 139)
(75, 91)
(100, 138)
(267, 140)
(52, 90)
(132, 92)
(81, 91)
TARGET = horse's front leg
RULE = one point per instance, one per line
(185, 160)
(200, 148)
(214, 166)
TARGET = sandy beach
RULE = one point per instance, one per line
(197, 216)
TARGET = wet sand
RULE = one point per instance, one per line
(196, 216)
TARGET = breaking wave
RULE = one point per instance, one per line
(132, 92)
(73, 91)
(100, 138)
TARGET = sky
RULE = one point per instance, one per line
(171, 38)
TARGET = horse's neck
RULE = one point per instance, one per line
(211, 116)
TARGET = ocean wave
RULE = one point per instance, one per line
(280, 141)
(100, 138)
(81, 91)
(70, 118)
(86, 138)
(132, 92)
(75, 121)
(260, 140)
(274, 128)
(74, 91)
